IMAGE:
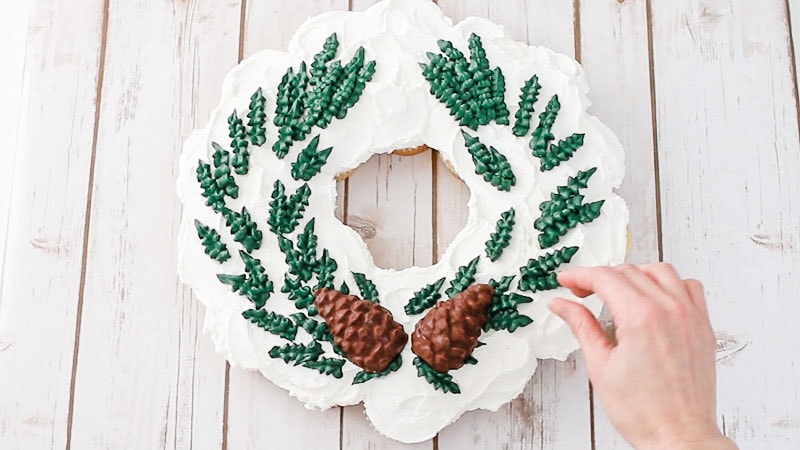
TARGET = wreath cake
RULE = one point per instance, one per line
(293, 293)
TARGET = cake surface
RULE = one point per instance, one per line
(262, 199)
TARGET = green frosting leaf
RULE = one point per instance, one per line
(344, 289)
(425, 297)
(438, 380)
(490, 163)
(365, 376)
(509, 320)
(302, 261)
(472, 90)
(499, 240)
(324, 269)
(503, 313)
(217, 182)
(551, 155)
(253, 284)
(297, 353)
(310, 161)
(527, 99)
(539, 274)
(243, 229)
(317, 330)
(301, 295)
(565, 210)
(470, 360)
(210, 238)
(272, 322)
(366, 287)
(241, 156)
(285, 214)
(257, 117)
(463, 278)
(327, 366)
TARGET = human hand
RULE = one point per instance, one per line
(658, 383)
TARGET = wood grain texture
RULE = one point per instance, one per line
(793, 7)
(729, 154)
(44, 246)
(614, 36)
(145, 378)
(13, 34)
(261, 414)
(553, 412)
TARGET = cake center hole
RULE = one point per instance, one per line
(407, 207)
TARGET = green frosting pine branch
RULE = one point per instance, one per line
(310, 161)
(324, 269)
(366, 287)
(565, 210)
(212, 244)
(297, 353)
(527, 99)
(471, 360)
(438, 380)
(304, 101)
(319, 65)
(499, 240)
(257, 118)
(425, 297)
(238, 135)
(302, 261)
(364, 376)
(463, 278)
(285, 214)
(472, 90)
(253, 284)
(490, 163)
(317, 330)
(301, 295)
(217, 182)
(215, 197)
(274, 323)
(243, 229)
(541, 145)
(327, 366)
(344, 288)
(539, 274)
(503, 313)
(509, 320)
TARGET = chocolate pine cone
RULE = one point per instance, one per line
(449, 332)
(365, 331)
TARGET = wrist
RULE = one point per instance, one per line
(711, 443)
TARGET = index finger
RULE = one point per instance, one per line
(613, 288)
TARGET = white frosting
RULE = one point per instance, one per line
(395, 111)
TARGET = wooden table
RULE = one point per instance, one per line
(101, 347)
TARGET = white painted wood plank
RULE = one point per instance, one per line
(13, 35)
(145, 377)
(45, 233)
(729, 156)
(553, 412)
(614, 53)
(794, 22)
(259, 413)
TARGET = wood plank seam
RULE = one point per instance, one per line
(226, 394)
(793, 59)
(654, 119)
(87, 221)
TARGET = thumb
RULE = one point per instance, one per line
(594, 342)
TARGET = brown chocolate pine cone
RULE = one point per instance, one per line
(449, 332)
(365, 331)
